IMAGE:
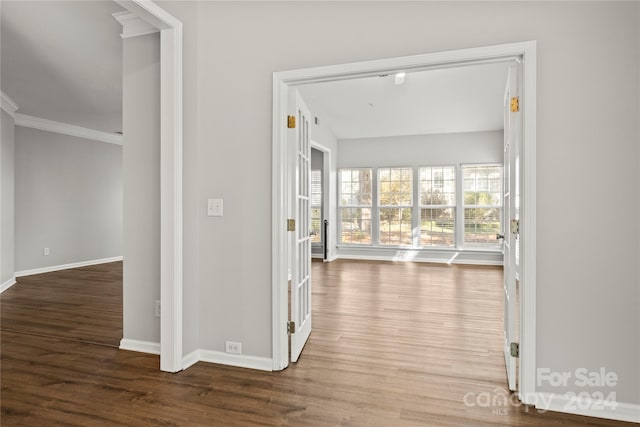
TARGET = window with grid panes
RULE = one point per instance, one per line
(395, 206)
(316, 206)
(437, 206)
(355, 206)
(482, 199)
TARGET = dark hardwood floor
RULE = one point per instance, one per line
(393, 344)
(81, 304)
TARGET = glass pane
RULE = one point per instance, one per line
(482, 198)
(437, 227)
(395, 226)
(396, 186)
(355, 187)
(482, 185)
(355, 225)
(481, 226)
(316, 188)
(316, 225)
(438, 186)
(316, 205)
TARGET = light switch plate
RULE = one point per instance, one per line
(214, 207)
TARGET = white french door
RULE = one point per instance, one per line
(511, 221)
(301, 260)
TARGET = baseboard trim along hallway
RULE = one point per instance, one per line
(51, 268)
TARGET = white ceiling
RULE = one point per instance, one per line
(463, 99)
(62, 61)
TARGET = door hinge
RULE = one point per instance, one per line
(291, 224)
(291, 122)
(515, 226)
(291, 327)
(515, 104)
(515, 349)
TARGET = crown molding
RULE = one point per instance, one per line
(133, 25)
(8, 104)
(67, 129)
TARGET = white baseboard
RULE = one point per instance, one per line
(221, 358)
(429, 260)
(320, 256)
(567, 404)
(140, 346)
(210, 356)
(239, 360)
(190, 359)
(9, 283)
(469, 262)
(66, 266)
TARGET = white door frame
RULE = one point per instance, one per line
(170, 177)
(282, 81)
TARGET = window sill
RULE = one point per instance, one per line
(422, 249)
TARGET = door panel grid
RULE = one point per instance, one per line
(301, 268)
(511, 201)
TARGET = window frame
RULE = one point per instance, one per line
(459, 207)
(318, 206)
(453, 206)
(379, 206)
(340, 207)
(478, 246)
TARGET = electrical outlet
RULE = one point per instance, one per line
(45, 251)
(215, 207)
(157, 308)
(233, 347)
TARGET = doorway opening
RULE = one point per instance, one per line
(65, 154)
(319, 223)
(170, 176)
(286, 81)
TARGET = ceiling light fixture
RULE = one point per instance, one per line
(400, 78)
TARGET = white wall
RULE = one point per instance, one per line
(316, 159)
(587, 53)
(68, 198)
(416, 151)
(141, 185)
(7, 158)
(422, 150)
